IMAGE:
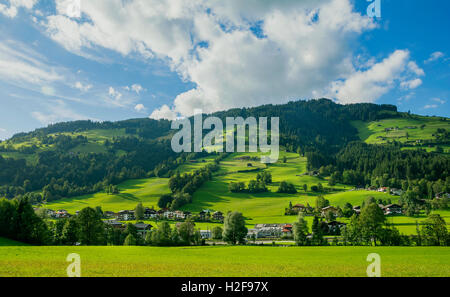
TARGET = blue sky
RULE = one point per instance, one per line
(136, 58)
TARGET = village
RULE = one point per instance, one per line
(328, 217)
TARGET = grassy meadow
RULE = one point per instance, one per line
(242, 261)
(374, 132)
(131, 193)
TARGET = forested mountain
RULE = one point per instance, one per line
(74, 158)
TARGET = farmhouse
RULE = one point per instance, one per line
(205, 234)
(143, 228)
(392, 209)
(125, 215)
(218, 216)
(270, 230)
(287, 230)
(62, 213)
(149, 213)
(396, 192)
(328, 209)
(335, 226)
(299, 208)
(115, 224)
(109, 214)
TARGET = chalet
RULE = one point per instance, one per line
(205, 214)
(335, 226)
(392, 209)
(150, 213)
(382, 189)
(179, 215)
(115, 224)
(328, 209)
(357, 209)
(205, 234)
(109, 214)
(299, 208)
(125, 215)
(62, 213)
(287, 230)
(270, 230)
(218, 216)
(396, 192)
(143, 229)
(170, 215)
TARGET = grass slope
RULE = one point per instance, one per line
(267, 207)
(374, 132)
(131, 193)
(242, 261)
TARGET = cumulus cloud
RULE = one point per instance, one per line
(139, 107)
(411, 84)
(137, 88)
(368, 85)
(165, 112)
(239, 53)
(11, 7)
(83, 87)
(434, 57)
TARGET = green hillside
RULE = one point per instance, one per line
(413, 132)
(258, 208)
(131, 193)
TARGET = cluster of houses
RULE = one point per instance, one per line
(57, 214)
(390, 209)
(392, 191)
(142, 228)
(269, 231)
(165, 214)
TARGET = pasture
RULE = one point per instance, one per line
(223, 261)
(411, 130)
(131, 193)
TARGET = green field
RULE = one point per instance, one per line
(242, 261)
(374, 132)
(268, 207)
(131, 193)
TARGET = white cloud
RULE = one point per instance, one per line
(83, 87)
(429, 106)
(434, 57)
(163, 113)
(415, 69)
(139, 107)
(114, 94)
(439, 100)
(367, 86)
(18, 63)
(14, 5)
(56, 112)
(305, 49)
(137, 88)
(411, 84)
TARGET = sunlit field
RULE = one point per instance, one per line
(242, 261)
